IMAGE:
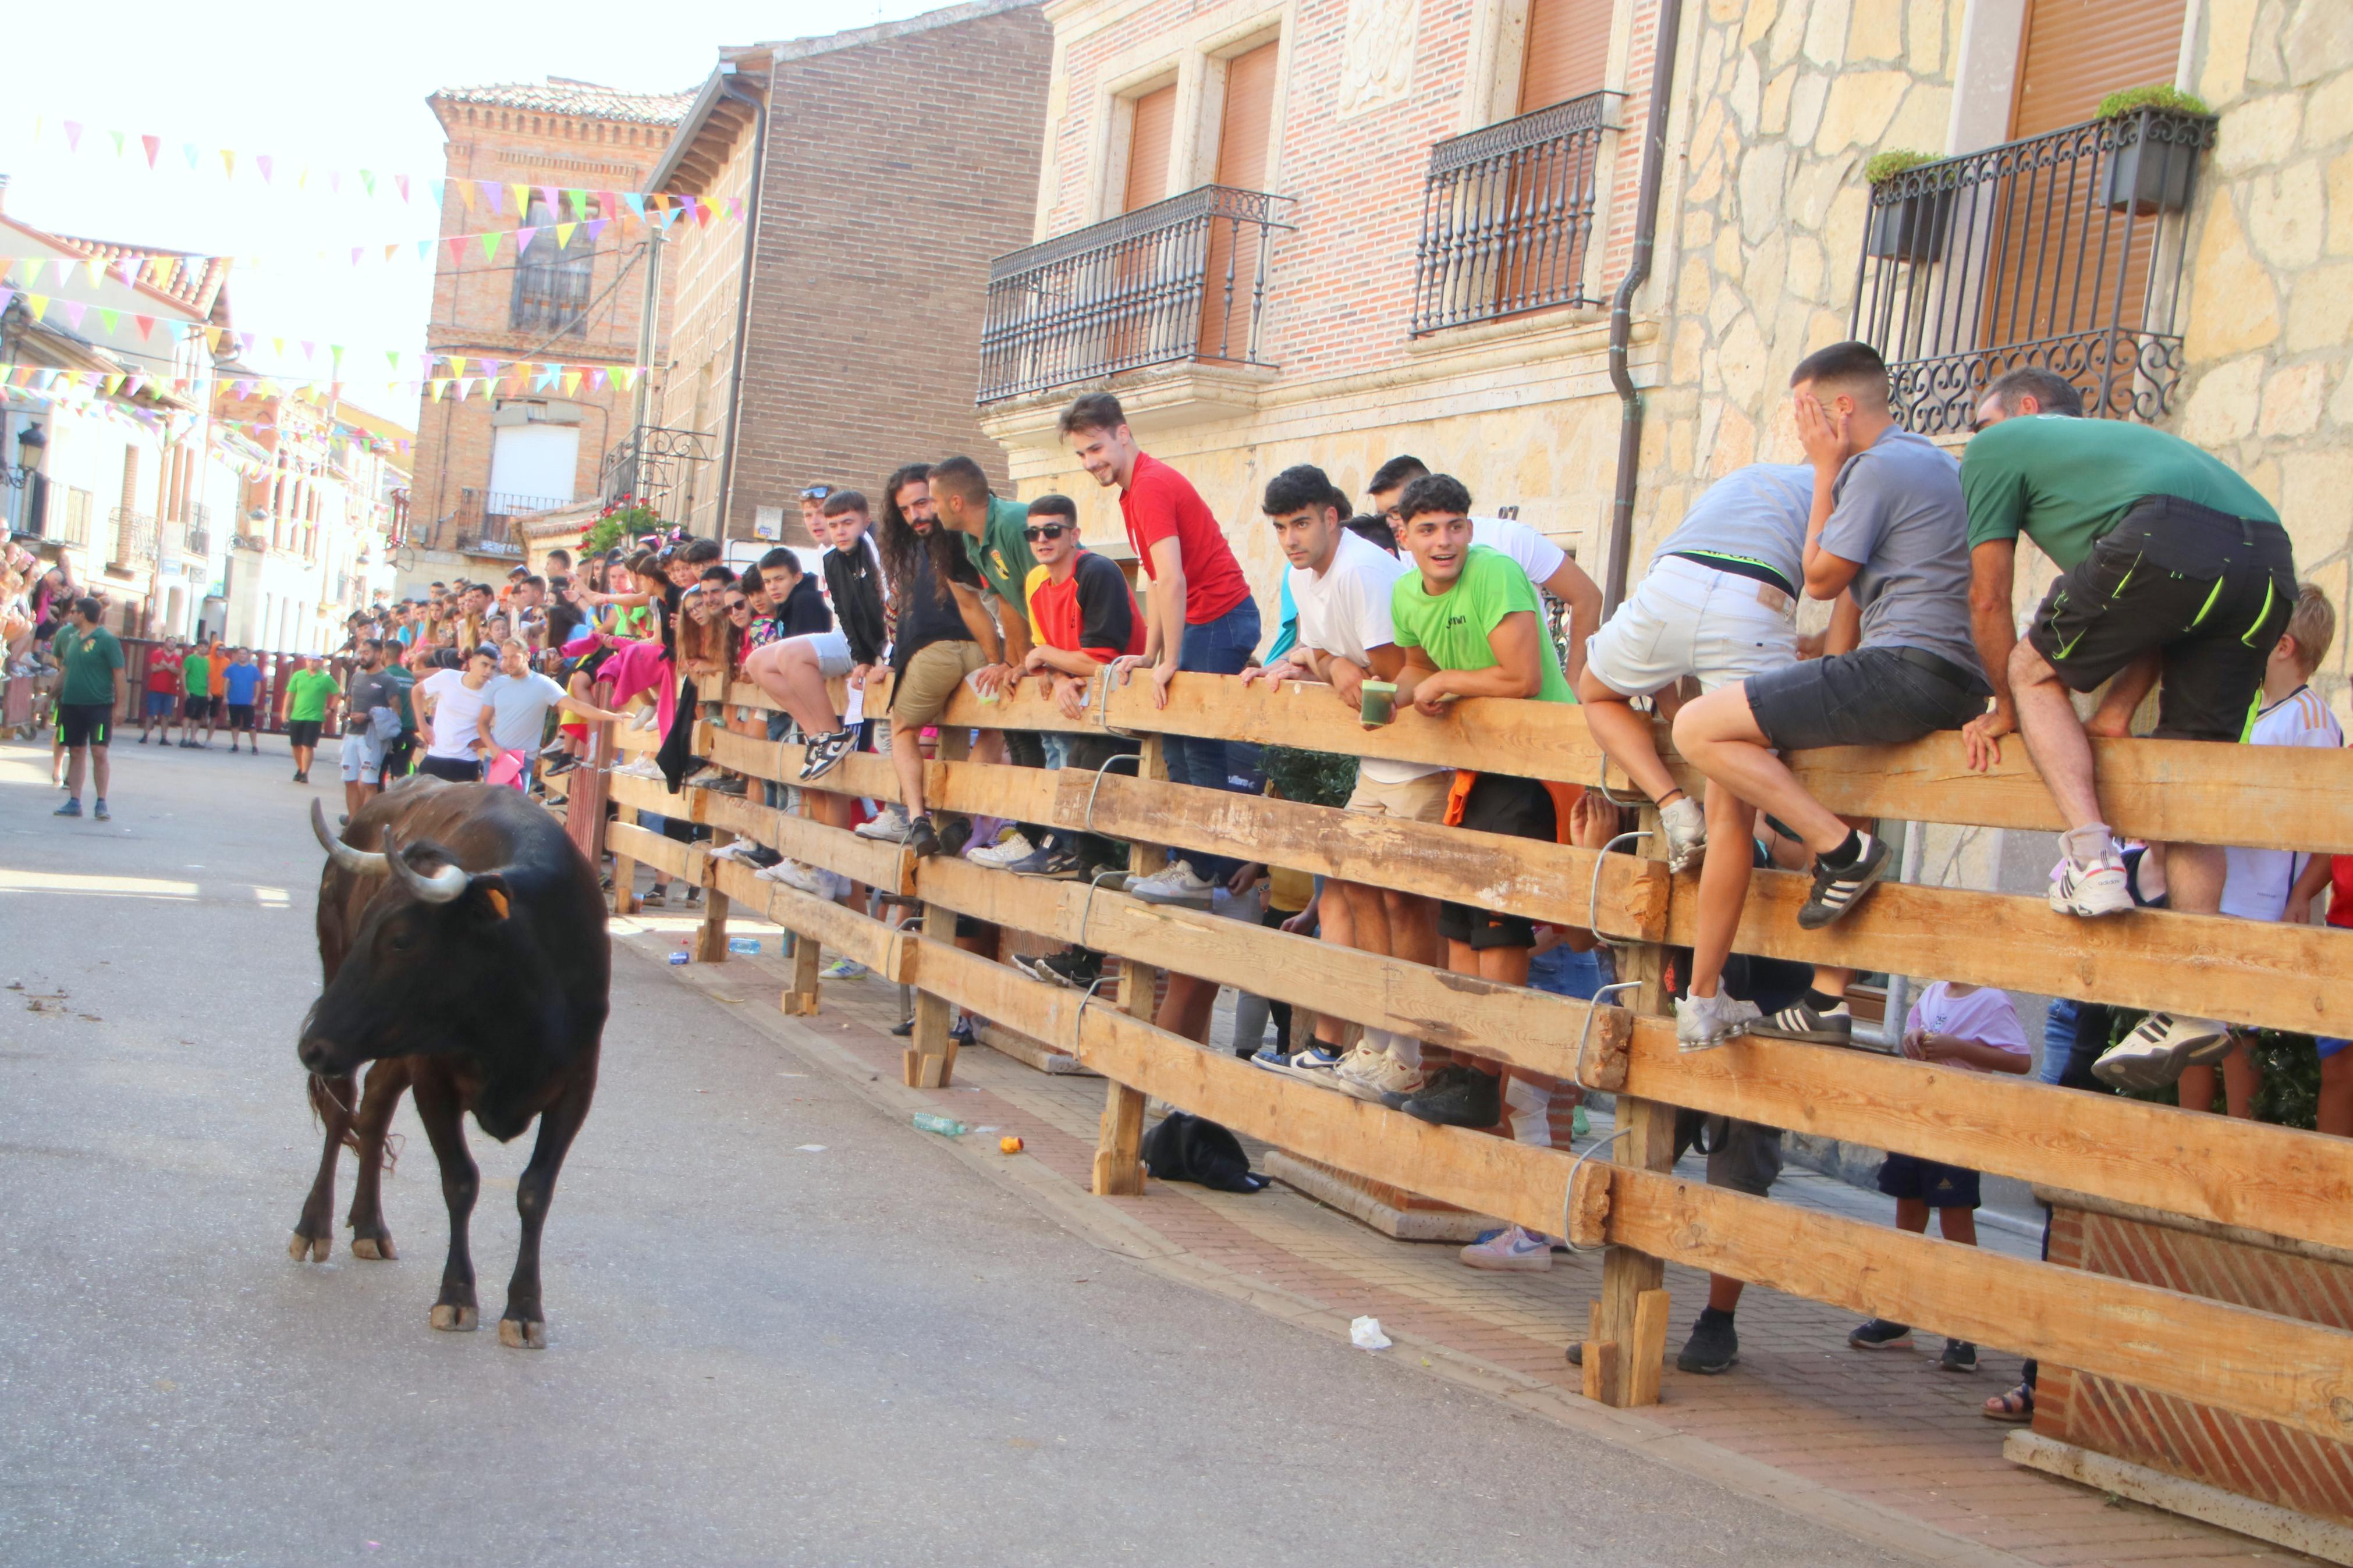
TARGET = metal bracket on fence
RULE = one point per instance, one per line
(1593, 893)
(1601, 785)
(1088, 822)
(1593, 1006)
(1101, 699)
(1568, 1196)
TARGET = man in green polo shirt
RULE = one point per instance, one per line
(308, 693)
(196, 703)
(2171, 563)
(91, 661)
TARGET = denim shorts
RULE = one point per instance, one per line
(1872, 697)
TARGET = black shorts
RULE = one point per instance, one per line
(1498, 803)
(197, 707)
(1938, 1186)
(1742, 1156)
(1873, 697)
(457, 770)
(2211, 591)
(302, 731)
(240, 715)
(85, 724)
(395, 758)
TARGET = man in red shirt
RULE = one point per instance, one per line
(1199, 617)
(163, 692)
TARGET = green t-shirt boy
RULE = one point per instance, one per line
(1452, 628)
(90, 660)
(307, 693)
(196, 675)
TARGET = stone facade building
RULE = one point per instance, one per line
(1335, 230)
(564, 159)
(885, 166)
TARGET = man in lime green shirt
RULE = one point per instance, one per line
(309, 693)
(196, 701)
(1469, 625)
(91, 661)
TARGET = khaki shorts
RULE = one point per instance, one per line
(1415, 800)
(932, 674)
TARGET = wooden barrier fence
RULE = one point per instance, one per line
(2269, 1179)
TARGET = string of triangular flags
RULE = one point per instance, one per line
(153, 151)
(490, 377)
(231, 436)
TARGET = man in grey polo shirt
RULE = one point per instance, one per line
(1888, 537)
(516, 704)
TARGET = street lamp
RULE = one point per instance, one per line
(30, 444)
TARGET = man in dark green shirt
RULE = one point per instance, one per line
(91, 661)
(2171, 563)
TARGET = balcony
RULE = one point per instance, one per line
(494, 537)
(650, 465)
(196, 542)
(2062, 251)
(1180, 280)
(1507, 217)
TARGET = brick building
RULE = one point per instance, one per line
(879, 199)
(561, 158)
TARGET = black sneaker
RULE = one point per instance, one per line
(922, 837)
(1713, 1345)
(1458, 1096)
(819, 755)
(955, 835)
(903, 1030)
(1879, 1334)
(1959, 1356)
(1076, 968)
(759, 857)
(1801, 1020)
(1053, 862)
(1837, 893)
(559, 764)
(731, 785)
(963, 1034)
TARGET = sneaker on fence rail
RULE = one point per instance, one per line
(760, 858)
(923, 836)
(799, 877)
(1077, 968)
(1838, 888)
(1377, 1076)
(733, 849)
(1802, 1020)
(1011, 848)
(890, 827)
(1174, 883)
(1685, 825)
(2154, 1054)
(1713, 1345)
(1881, 1334)
(843, 969)
(1313, 1065)
(1703, 1023)
(646, 717)
(1458, 1096)
(1959, 1356)
(819, 755)
(727, 784)
(559, 764)
(1054, 862)
(1511, 1249)
(2091, 881)
(644, 768)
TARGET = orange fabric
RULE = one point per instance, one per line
(1563, 796)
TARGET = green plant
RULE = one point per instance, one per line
(2156, 95)
(1881, 167)
(1312, 778)
(601, 536)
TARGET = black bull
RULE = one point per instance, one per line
(465, 952)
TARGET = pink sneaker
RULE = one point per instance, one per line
(1510, 1249)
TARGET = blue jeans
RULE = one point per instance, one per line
(1565, 972)
(1222, 646)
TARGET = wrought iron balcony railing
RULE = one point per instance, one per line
(1180, 280)
(1507, 215)
(499, 504)
(649, 463)
(2063, 250)
(491, 539)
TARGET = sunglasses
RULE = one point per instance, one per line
(737, 606)
(1046, 530)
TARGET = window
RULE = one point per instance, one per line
(1566, 53)
(77, 509)
(1245, 130)
(551, 277)
(1151, 129)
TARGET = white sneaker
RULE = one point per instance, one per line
(1012, 847)
(646, 717)
(1684, 823)
(733, 849)
(1511, 1249)
(2153, 1055)
(643, 768)
(1703, 1023)
(890, 827)
(1369, 1073)
(800, 877)
(1173, 884)
(2091, 881)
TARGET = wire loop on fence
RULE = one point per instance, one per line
(1593, 893)
(1568, 1194)
(1099, 697)
(1593, 1005)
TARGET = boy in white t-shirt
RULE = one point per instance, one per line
(1975, 1029)
(2257, 884)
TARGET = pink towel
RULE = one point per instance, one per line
(637, 666)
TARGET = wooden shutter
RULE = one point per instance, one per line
(1567, 50)
(1147, 149)
(1246, 127)
(2076, 52)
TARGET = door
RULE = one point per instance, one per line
(1141, 326)
(1245, 137)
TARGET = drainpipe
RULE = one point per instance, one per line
(1621, 315)
(759, 108)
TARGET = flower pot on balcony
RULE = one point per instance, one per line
(2145, 177)
(1910, 228)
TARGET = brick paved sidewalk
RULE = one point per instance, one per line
(1802, 1415)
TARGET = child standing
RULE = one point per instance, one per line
(1974, 1027)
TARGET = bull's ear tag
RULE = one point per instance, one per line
(498, 902)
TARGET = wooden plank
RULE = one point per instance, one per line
(1650, 1357)
(2245, 972)
(1600, 1361)
(711, 937)
(885, 866)
(1119, 1133)
(819, 922)
(808, 956)
(647, 848)
(2255, 1364)
(926, 1056)
(779, 761)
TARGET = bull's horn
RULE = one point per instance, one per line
(441, 888)
(359, 862)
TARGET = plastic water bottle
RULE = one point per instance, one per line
(685, 954)
(945, 1126)
(747, 945)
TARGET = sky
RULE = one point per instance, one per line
(330, 89)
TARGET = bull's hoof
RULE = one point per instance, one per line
(375, 1248)
(518, 1335)
(307, 1248)
(456, 1320)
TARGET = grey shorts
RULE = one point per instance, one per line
(1872, 697)
(1742, 1156)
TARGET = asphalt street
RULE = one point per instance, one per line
(759, 1353)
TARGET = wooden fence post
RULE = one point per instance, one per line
(931, 1054)
(800, 1000)
(1119, 1140)
(710, 939)
(1629, 1321)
